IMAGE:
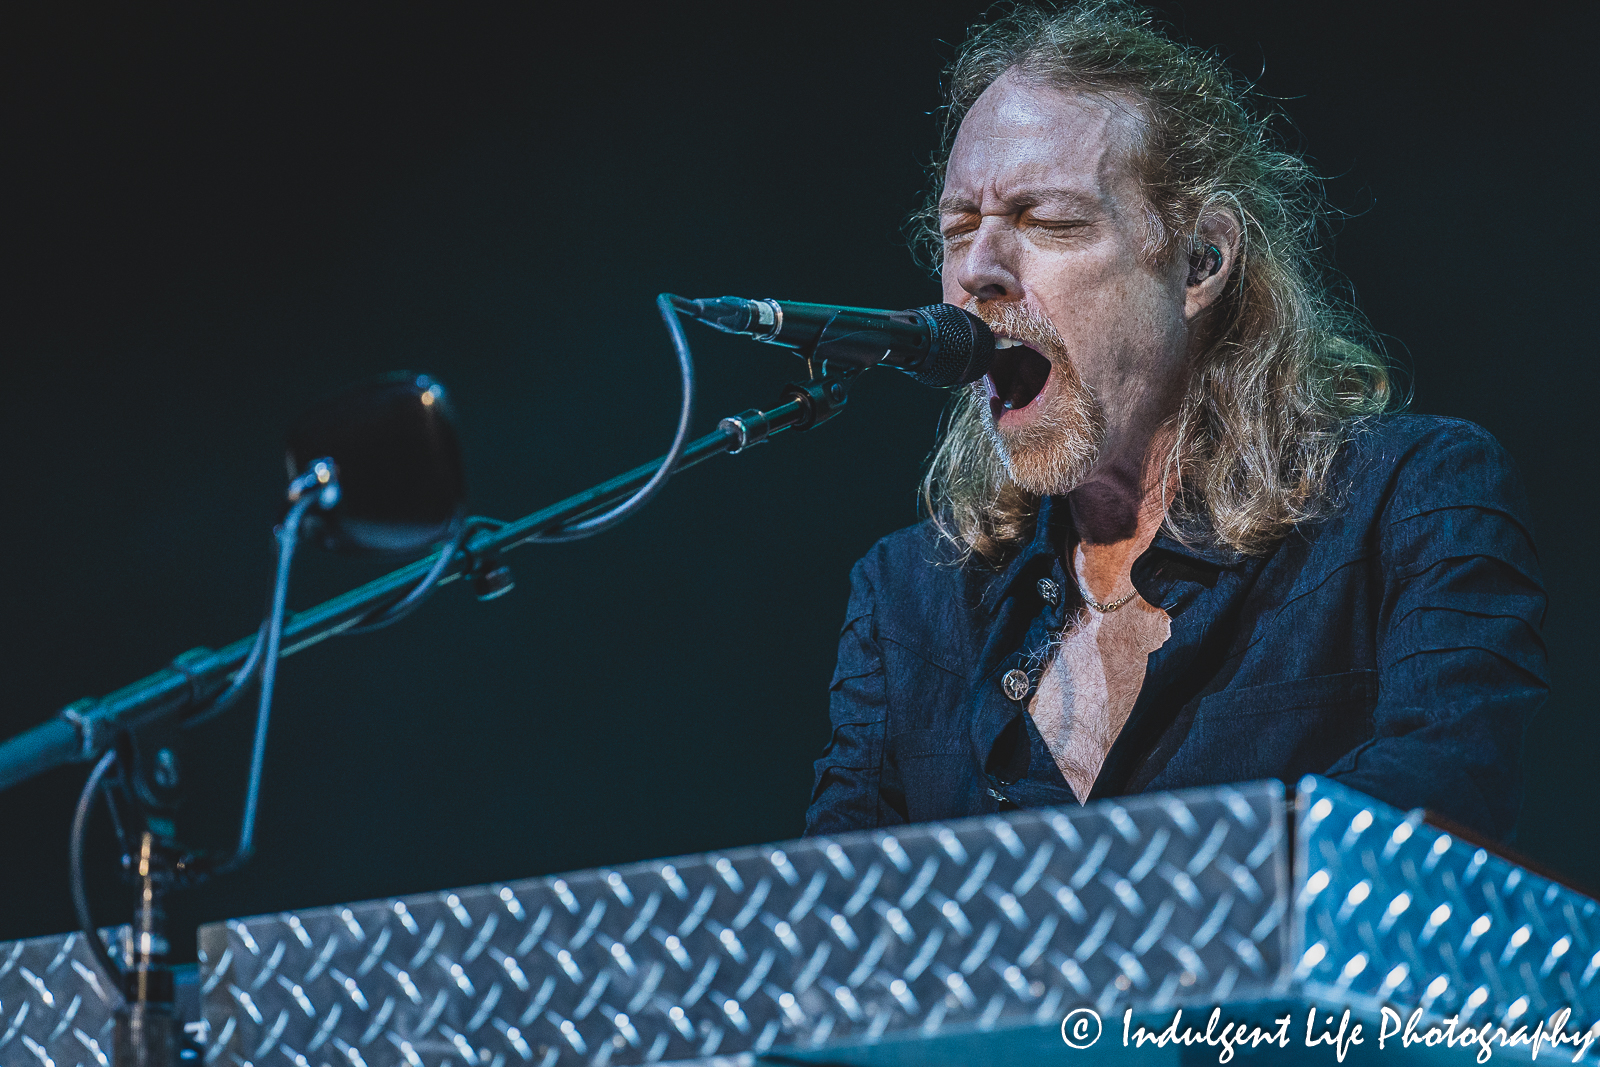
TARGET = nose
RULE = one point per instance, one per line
(986, 268)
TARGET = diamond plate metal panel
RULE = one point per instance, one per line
(980, 924)
(54, 1007)
(1392, 911)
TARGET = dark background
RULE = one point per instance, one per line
(212, 214)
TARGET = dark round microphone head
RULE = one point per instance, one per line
(960, 347)
(402, 486)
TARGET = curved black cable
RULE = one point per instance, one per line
(241, 678)
(604, 521)
(288, 538)
(80, 897)
(393, 613)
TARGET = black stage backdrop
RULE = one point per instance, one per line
(214, 213)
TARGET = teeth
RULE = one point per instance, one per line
(1006, 342)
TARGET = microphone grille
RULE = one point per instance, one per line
(960, 349)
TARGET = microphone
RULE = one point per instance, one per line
(939, 345)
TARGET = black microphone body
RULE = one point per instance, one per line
(939, 345)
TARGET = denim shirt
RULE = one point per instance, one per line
(1393, 646)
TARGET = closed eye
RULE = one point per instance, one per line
(951, 229)
(1056, 225)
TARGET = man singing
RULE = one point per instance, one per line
(1173, 539)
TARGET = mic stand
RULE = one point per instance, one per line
(140, 720)
(143, 796)
(146, 1032)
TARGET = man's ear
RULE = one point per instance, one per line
(1211, 261)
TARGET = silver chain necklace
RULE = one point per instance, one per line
(1104, 609)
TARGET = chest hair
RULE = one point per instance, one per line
(1093, 674)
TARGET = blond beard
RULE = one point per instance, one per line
(1054, 453)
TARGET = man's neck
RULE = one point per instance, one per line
(1116, 514)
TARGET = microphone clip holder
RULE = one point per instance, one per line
(821, 398)
(806, 405)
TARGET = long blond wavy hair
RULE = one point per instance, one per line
(1291, 368)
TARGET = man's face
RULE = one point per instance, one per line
(1046, 233)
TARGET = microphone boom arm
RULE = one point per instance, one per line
(85, 729)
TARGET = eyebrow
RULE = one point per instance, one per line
(1024, 198)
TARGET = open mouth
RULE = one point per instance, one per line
(1017, 375)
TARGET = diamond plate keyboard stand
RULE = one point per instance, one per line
(1390, 911)
(955, 943)
(54, 1007)
(54, 1011)
(980, 925)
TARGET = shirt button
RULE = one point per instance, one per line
(1015, 683)
(1049, 592)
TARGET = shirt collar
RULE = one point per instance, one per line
(1053, 530)
(1202, 547)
